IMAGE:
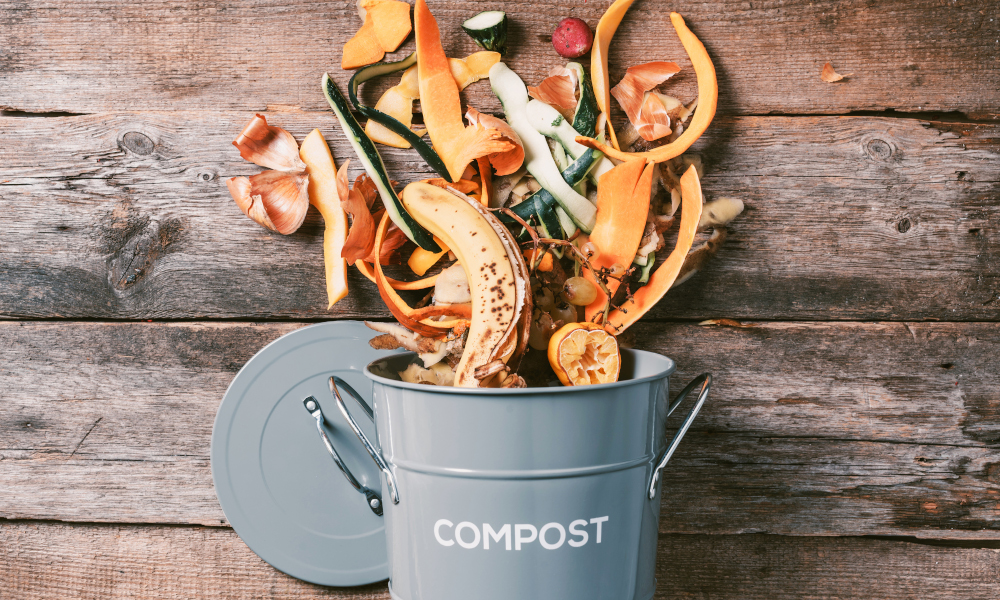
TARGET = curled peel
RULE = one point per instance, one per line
(708, 99)
(558, 90)
(639, 79)
(516, 338)
(396, 305)
(275, 199)
(509, 160)
(268, 146)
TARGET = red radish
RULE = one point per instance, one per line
(572, 38)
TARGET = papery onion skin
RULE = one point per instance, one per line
(284, 198)
(268, 146)
(239, 188)
(361, 237)
(630, 91)
(558, 91)
(654, 121)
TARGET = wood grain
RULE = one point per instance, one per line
(45, 560)
(126, 216)
(904, 55)
(817, 429)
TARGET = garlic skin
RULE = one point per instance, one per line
(239, 188)
(274, 199)
(268, 146)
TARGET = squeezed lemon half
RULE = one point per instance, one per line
(584, 354)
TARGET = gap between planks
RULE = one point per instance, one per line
(969, 544)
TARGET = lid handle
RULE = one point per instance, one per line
(705, 381)
(374, 500)
(390, 479)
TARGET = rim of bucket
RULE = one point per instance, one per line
(666, 371)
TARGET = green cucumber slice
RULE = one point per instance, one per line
(372, 160)
(548, 222)
(370, 72)
(572, 175)
(489, 30)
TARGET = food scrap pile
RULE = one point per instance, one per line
(549, 233)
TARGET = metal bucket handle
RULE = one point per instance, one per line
(390, 479)
(705, 380)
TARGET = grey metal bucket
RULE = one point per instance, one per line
(511, 494)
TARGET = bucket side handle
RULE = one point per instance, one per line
(335, 384)
(705, 382)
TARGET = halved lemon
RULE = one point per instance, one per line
(584, 354)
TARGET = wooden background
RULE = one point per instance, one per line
(851, 447)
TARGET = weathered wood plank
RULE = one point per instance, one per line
(848, 218)
(918, 55)
(818, 429)
(45, 560)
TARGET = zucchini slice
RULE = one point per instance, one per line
(489, 30)
(423, 148)
(548, 222)
(372, 160)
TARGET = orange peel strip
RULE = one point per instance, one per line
(606, 29)
(663, 278)
(420, 284)
(396, 305)
(708, 97)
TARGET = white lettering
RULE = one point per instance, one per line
(518, 539)
(520, 534)
(458, 535)
(437, 532)
(574, 529)
(547, 527)
(496, 535)
(599, 521)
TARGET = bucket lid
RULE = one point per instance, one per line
(278, 486)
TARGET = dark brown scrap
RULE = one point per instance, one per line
(384, 342)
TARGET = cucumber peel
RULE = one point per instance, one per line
(372, 161)
(513, 95)
(423, 148)
(547, 121)
(585, 117)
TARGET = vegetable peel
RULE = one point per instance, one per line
(665, 275)
(708, 98)
(457, 144)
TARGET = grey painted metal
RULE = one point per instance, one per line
(524, 493)
(275, 482)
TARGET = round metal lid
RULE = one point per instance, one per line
(278, 486)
